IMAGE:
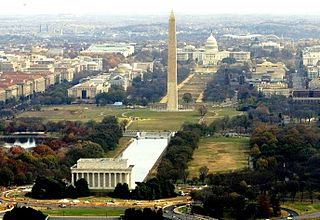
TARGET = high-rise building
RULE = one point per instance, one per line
(172, 92)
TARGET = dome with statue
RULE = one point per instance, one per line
(212, 44)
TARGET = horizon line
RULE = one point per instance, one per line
(163, 14)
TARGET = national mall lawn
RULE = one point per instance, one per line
(145, 119)
(218, 154)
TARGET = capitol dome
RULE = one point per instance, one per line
(211, 43)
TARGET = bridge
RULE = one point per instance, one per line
(148, 134)
(27, 134)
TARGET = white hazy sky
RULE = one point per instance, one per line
(159, 6)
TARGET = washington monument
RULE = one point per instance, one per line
(172, 92)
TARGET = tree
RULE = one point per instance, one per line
(264, 208)
(275, 203)
(123, 124)
(145, 214)
(187, 97)
(37, 108)
(21, 179)
(2, 126)
(84, 149)
(43, 150)
(48, 188)
(121, 191)
(203, 172)
(81, 188)
(24, 213)
(6, 113)
(111, 97)
(202, 110)
(107, 133)
(6, 176)
(229, 60)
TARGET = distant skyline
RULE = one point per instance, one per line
(147, 7)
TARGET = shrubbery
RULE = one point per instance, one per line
(49, 188)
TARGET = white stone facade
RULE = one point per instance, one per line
(311, 56)
(103, 173)
(210, 54)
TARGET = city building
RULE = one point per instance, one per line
(115, 48)
(90, 88)
(120, 81)
(64, 72)
(7, 66)
(268, 45)
(269, 78)
(268, 70)
(145, 66)
(311, 56)
(306, 96)
(311, 61)
(131, 72)
(2, 95)
(313, 72)
(277, 88)
(87, 63)
(210, 54)
(36, 67)
(11, 88)
(240, 56)
(55, 52)
(103, 173)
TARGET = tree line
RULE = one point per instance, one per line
(284, 164)
(53, 188)
(150, 190)
(173, 166)
(129, 214)
(54, 157)
(222, 87)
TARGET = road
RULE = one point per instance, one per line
(170, 212)
(84, 217)
(315, 215)
(291, 212)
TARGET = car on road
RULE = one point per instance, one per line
(62, 206)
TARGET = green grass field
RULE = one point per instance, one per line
(85, 212)
(74, 112)
(147, 120)
(220, 113)
(153, 120)
(220, 154)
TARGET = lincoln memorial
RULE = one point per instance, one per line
(102, 173)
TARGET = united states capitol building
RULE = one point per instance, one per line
(103, 173)
(209, 55)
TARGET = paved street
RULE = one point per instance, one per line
(81, 217)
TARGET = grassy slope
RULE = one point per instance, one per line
(85, 212)
(219, 155)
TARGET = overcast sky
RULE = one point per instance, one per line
(159, 6)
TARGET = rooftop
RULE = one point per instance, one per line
(101, 163)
